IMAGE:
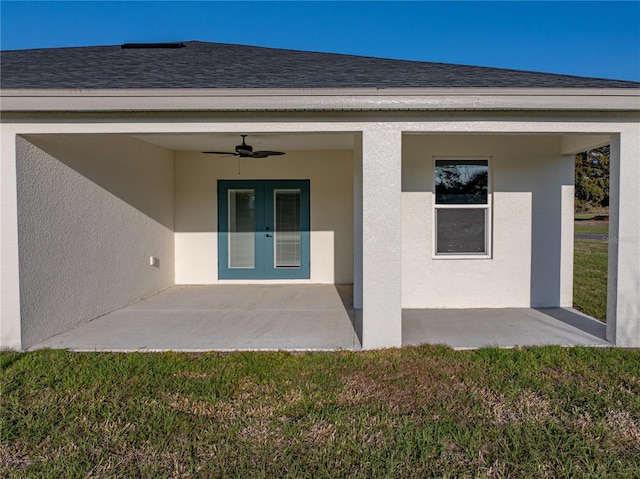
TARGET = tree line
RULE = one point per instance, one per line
(592, 179)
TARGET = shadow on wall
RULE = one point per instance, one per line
(83, 250)
(552, 215)
(546, 242)
(138, 173)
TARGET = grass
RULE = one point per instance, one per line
(592, 222)
(411, 412)
(590, 265)
(592, 213)
(590, 277)
(592, 227)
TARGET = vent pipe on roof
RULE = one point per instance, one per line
(152, 45)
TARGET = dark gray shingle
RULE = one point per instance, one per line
(217, 65)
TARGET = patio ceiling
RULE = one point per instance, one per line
(288, 141)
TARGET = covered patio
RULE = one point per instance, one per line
(307, 318)
(126, 243)
(435, 191)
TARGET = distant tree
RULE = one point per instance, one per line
(592, 179)
(467, 185)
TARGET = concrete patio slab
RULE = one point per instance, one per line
(308, 317)
(508, 327)
(223, 317)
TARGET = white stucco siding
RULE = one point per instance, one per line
(91, 211)
(531, 184)
(331, 238)
(623, 298)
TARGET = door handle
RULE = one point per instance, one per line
(268, 235)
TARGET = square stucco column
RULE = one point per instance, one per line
(567, 215)
(10, 328)
(357, 231)
(381, 237)
(623, 298)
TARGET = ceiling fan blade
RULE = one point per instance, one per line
(269, 153)
(246, 151)
(220, 153)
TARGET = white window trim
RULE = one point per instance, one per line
(487, 207)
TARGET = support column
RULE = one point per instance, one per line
(357, 225)
(623, 297)
(567, 219)
(381, 236)
(10, 329)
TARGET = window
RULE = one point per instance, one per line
(462, 215)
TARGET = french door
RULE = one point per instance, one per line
(263, 229)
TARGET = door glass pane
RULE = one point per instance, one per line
(460, 231)
(242, 227)
(286, 219)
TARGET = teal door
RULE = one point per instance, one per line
(263, 229)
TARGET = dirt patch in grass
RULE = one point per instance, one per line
(623, 425)
(11, 457)
(404, 386)
(319, 434)
(561, 375)
(527, 406)
(187, 405)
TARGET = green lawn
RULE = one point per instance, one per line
(590, 277)
(402, 413)
(592, 222)
(592, 227)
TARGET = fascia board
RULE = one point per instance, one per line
(621, 99)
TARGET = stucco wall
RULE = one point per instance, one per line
(532, 197)
(331, 181)
(92, 209)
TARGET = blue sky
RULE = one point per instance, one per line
(600, 39)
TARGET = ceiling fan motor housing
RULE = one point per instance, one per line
(244, 148)
(246, 151)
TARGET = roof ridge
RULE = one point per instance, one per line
(229, 65)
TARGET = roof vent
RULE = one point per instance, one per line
(152, 45)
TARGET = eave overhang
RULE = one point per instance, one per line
(366, 99)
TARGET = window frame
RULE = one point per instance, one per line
(488, 220)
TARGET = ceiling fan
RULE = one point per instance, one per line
(246, 151)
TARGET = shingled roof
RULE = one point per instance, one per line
(215, 65)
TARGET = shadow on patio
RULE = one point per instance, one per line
(505, 327)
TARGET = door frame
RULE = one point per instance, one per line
(264, 257)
